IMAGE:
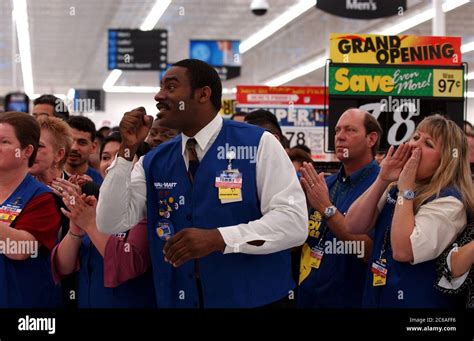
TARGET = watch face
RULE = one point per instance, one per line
(330, 211)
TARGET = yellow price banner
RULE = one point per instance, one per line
(448, 83)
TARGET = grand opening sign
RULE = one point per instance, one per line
(402, 49)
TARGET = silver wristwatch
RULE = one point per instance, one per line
(329, 211)
(408, 194)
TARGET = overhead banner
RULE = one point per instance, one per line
(223, 55)
(363, 9)
(402, 49)
(396, 81)
(299, 111)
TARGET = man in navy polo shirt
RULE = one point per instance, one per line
(333, 262)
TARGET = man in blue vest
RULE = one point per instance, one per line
(222, 200)
(334, 262)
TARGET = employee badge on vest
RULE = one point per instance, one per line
(379, 270)
(229, 183)
(9, 212)
(317, 254)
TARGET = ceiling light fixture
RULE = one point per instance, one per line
(276, 24)
(20, 15)
(155, 14)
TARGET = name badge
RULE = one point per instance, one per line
(8, 213)
(379, 271)
(229, 184)
(164, 229)
(229, 178)
(317, 254)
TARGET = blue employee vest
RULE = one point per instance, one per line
(230, 280)
(339, 280)
(134, 293)
(26, 283)
(407, 286)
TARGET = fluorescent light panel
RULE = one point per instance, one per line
(20, 13)
(297, 72)
(133, 89)
(468, 47)
(281, 21)
(155, 14)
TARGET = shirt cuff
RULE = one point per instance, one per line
(454, 283)
(236, 243)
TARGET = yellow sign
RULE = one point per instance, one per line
(403, 49)
(227, 107)
(448, 83)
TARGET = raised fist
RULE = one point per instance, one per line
(134, 127)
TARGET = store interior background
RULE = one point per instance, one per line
(68, 40)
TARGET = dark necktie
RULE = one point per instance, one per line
(192, 158)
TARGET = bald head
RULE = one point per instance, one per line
(357, 136)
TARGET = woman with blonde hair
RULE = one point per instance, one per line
(54, 147)
(418, 205)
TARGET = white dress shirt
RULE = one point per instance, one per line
(284, 224)
(437, 224)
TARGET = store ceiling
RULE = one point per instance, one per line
(69, 38)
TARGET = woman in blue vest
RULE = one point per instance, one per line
(114, 271)
(418, 205)
(29, 219)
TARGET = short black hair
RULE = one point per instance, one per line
(59, 107)
(82, 123)
(264, 118)
(303, 147)
(100, 132)
(202, 74)
(114, 137)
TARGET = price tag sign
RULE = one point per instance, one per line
(448, 83)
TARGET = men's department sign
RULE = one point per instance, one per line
(396, 81)
(403, 49)
(362, 9)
